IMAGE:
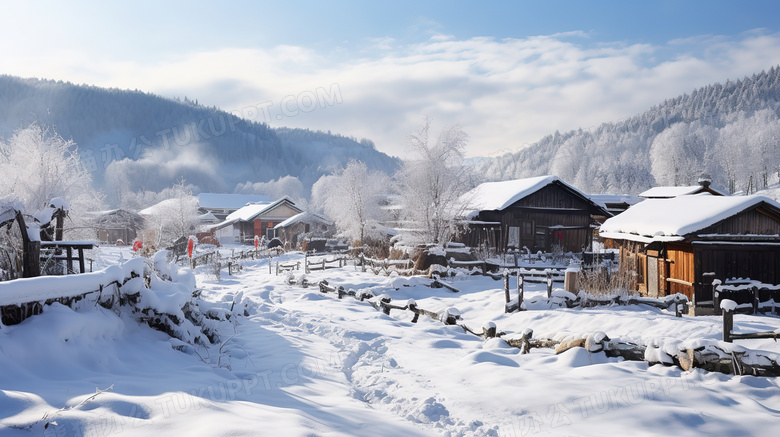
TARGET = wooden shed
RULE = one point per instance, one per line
(681, 244)
(536, 213)
(303, 225)
(118, 224)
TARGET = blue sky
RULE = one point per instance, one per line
(509, 72)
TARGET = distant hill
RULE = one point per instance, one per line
(731, 131)
(141, 141)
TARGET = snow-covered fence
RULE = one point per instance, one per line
(708, 355)
(729, 306)
(562, 298)
(25, 297)
(322, 263)
(750, 296)
(558, 274)
(384, 303)
(156, 295)
(401, 266)
(281, 267)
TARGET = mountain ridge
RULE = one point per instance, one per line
(142, 141)
(671, 143)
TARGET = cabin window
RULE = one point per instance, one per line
(528, 228)
(306, 227)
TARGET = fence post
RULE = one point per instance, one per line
(549, 283)
(363, 261)
(728, 324)
(269, 263)
(306, 261)
(277, 268)
(520, 291)
(755, 299)
(506, 285)
(323, 264)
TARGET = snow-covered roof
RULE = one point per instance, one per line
(249, 212)
(229, 201)
(497, 196)
(304, 217)
(672, 219)
(165, 205)
(668, 192)
(603, 199)
(208, 218)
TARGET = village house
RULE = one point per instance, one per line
(540, 214)
(681, 244)
(303, 225)
(221, 204)
(256, 219)
(118, 225)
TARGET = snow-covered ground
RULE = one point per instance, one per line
(305, 363)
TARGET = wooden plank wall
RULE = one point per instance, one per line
(681, 268)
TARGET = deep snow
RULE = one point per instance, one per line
(306, 363)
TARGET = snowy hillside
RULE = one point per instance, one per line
(729, 130)
(152, 141)
(301, 362)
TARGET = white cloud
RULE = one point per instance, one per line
(506, 93)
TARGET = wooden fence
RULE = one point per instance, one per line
(751, 297)
(323, 263)
(710, 357)
(728, 308)
(584, 300)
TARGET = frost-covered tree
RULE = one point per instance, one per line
(175, 217)
(729, 130)
(431, 183)
(351, 198)
(37, 165)
(678, 153)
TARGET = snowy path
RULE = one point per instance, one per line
(305, 363)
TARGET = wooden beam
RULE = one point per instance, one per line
(679, 281)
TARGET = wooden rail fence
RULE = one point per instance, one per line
(711, 357)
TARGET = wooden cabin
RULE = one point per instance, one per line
(118, 224)
(681, 244)
(303, 225)
(539, 213)
(257, 219)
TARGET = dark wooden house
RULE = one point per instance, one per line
(118, 224)
(681, 244)
(304, 225)
(539, 213)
